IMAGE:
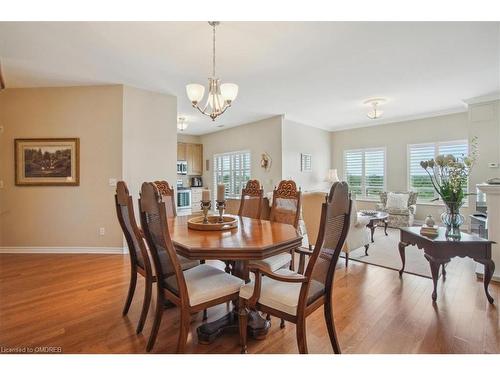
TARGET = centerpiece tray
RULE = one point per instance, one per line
(229, 222)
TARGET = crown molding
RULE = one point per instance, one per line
(420, 116)
(483, 99)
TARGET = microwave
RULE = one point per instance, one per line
(182, 167)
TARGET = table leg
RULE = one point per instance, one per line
(489, 269)
(372, 228)
(386, 222)
(435, 264)
(402, 245)
(257, 325)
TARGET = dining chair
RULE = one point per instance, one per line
(138, 251)
(252, 196)
(191, 290)
(285, 209)
(167, 196)
(139, 259)
(294, 296)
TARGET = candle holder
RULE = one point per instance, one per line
(205, 206)
(221, 205)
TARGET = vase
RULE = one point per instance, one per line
(452, 219)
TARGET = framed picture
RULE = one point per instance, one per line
(305, 163)
(47, 161)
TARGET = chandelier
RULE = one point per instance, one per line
(375, 112)
(220, 96)
(182, 124)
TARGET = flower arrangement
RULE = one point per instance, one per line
(448, 175)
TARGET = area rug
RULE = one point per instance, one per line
(384, 253)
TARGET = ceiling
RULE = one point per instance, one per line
(316, 73)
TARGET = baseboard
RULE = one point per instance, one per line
(60, 250)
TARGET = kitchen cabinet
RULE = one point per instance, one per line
(193, 154)
(181, 151)
(194, 157)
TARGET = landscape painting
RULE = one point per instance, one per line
(47, 161)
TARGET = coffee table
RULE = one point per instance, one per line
(379, 219)
(439, 250)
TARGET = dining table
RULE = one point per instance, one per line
(252, 239)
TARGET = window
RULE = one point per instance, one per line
(418, 179)
(233, 170)
(365, 171)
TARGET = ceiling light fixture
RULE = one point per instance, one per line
(220, 96)
(375, 112)
(182, 124)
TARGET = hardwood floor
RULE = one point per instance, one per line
(74, 302)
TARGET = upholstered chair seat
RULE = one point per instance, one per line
(283, 296)
(206, 283)
(275, 262)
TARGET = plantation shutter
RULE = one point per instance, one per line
(353, 170)
(233, 170)
(374, 172)
(419, 179)
(364, 171)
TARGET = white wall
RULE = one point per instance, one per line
(149, 150)
(297, 139)
(257, 137)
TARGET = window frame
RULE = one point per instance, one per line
(215, 170)
(363, 195)
(436, 146)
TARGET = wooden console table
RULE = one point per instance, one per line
(439, 250)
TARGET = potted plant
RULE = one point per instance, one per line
(449, 176)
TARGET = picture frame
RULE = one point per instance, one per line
(305, 163)
(47, 161)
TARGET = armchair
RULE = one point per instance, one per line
(401, 215)
(359, 234)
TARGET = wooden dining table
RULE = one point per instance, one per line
(253, 239)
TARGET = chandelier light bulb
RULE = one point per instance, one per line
(195, 92)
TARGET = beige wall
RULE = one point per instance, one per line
(149, 138)
(62, 216)
(395, 137)
(297, 139)
(257, 137)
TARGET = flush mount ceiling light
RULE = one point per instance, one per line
(375, 112)
(182, 124)
(220, 96)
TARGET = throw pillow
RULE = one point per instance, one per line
(397, 200)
